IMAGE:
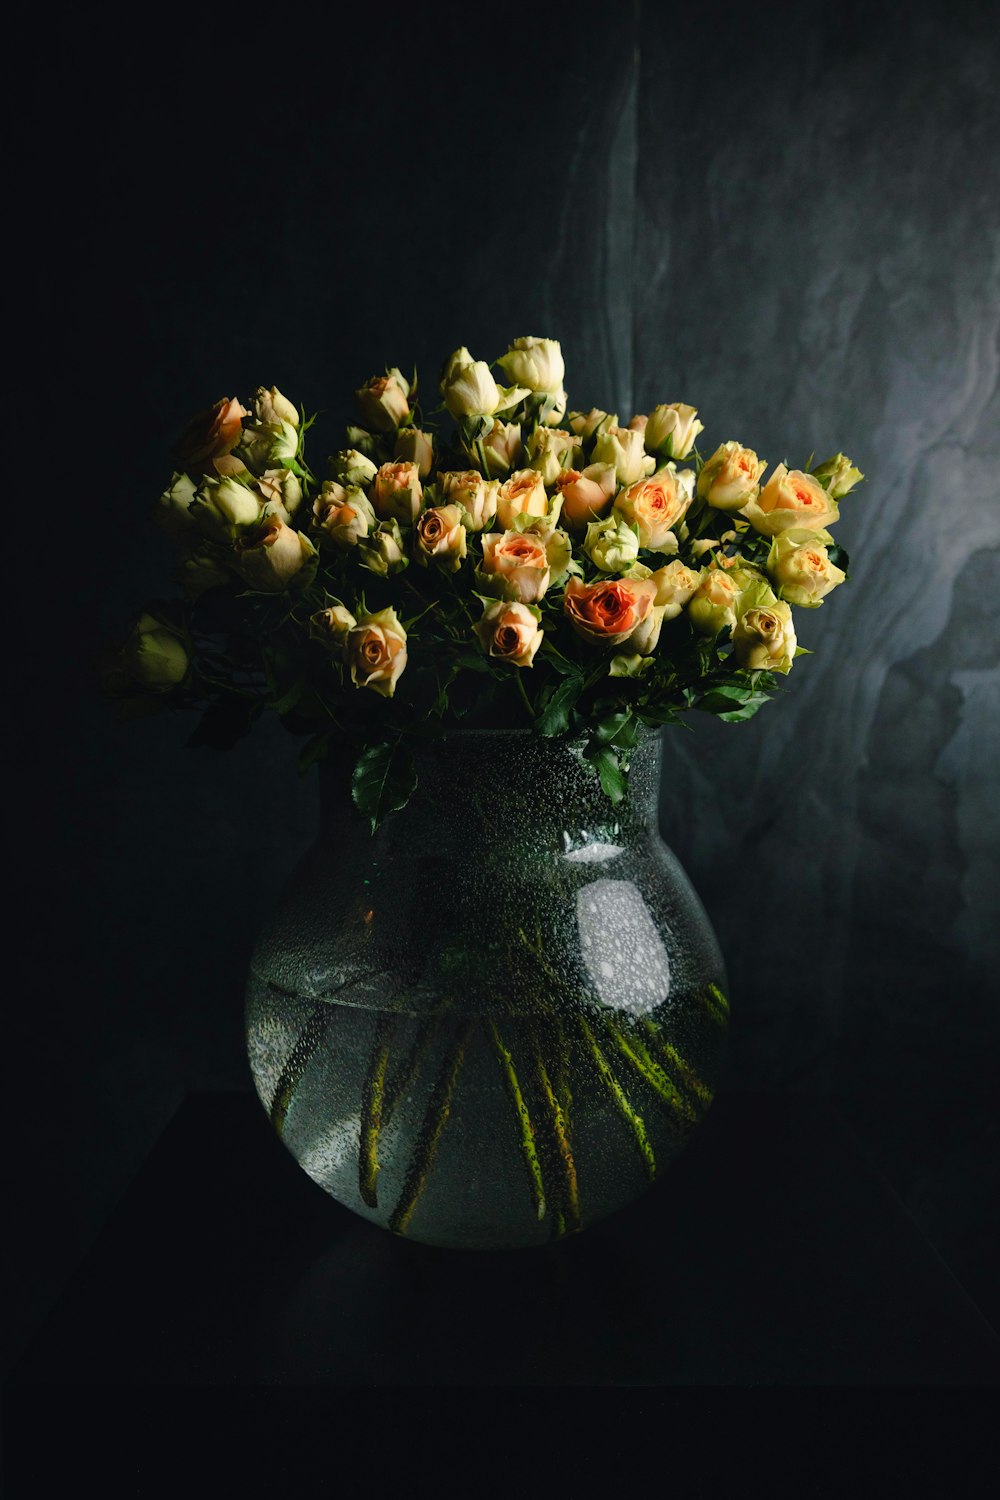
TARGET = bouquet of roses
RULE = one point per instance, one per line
(490, 560)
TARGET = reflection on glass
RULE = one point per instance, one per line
(623, 951)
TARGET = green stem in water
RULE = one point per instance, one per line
(296, 1063)
(372, 1102)
(636, 1053)
(634, 1120)
(570, 1220)
(716, 1004)
(684, 1070)
(408, 1071)
(435, 1120)
(528, 1148)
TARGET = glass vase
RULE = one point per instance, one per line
(498, 1018)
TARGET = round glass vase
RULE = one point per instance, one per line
(498, 1018)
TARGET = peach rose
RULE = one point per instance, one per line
(655, 506)
(376, 652)
(440, 537)
(396, 492)
(502, 446)
(586, 494)
(383, 401)
(477, 496)
(791, 498)
(606, 613)
(731, 477)
(417, 447)
(211, 434)
(270, 556)
(510, 632)
(523, 494)
(519, 563)
(343, 515)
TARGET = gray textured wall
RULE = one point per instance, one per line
(786, 216)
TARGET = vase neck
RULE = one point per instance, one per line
(514, 787)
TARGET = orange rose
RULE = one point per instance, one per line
(655, 506)
(210, 435)
(586, 494)
(607, 613)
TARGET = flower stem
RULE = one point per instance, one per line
(528, 1149)
(685, 1072)
(372, 1101)
(524, 694)
(296, 1063)
(636, 1053)
(435, 1120)
(635, 1121)
(569, 1221)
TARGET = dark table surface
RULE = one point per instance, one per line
(771, 1253)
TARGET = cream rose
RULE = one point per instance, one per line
(223, 505)
(417, 447)
(344, 515)
(838, 475)
(515, 563)
(611, 544)
(586, 493)
(396, 493)
(477, 496)
(800, 567)
(590, 424)
(607, 613)
(502, 446)
(271, 408)
(522, 494)
(376, 652)
(155, 655)
(675, 584)
(656, 505)
(269, 557)
(384, 401)
(349, 466)
(281, 489)
(510, 632)
(550, 450)
(210, 435)
(712, 606)
(535, 363)
(730, 479)
(646, 635)
(440, 537)
(791, 498)
(471, 391)
(672, 429)
(624, 449)
(173, 509)
(332, 625)
(764, 638)
(382, 550)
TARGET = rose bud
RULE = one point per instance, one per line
(515, 566)
(383, 401)
(382, 551)
(675, 585)
(440, 537)
(396, 493)
(731, 477)
(712, 606)
(352, 468)
(554, 409)
(173, 509)
(281, 489)
(522, 494)
(271, 408)
(607, 613)
(269, 557)
(210, 434)
(456, 361)
(611, 544)
(671, 430)
(655, 506)
(510, 632)
(764, 638)
(155, 655)
(646, 634)
(550, 450)
(417, 447)
(624, 449)
(471, 391)
(591, 424)
(587, 494)
(200, 572)
(629, 666)
(535, 363)
(791, 498)
(800, 566)
(376, 652)
(331, 626)
(838, 476)
(265, 448)
(344, 516)
(502, 446)
(476, 496)
(223, 505)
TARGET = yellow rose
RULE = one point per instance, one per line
(656, 505)
(510, 632)
(471, 391)
(712, 606)
(791, 498)
(440, 537)
(535, 363)
(626, 450)
(731, 477)
(586, 494)
(477, 496)
(672, 429)
(764, 638)
(396, 493)
(800, 566)
(522, 494)
(551, 449)
(590, 424)
(376, 652)
(675, 584)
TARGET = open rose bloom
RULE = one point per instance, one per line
(482, 551)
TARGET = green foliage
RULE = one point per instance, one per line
(383, 781)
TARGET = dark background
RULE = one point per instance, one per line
(787, 216)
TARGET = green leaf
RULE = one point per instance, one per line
(838, 556)
(554, 719)
(611, 730)
(383, 781)
(605, 762)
